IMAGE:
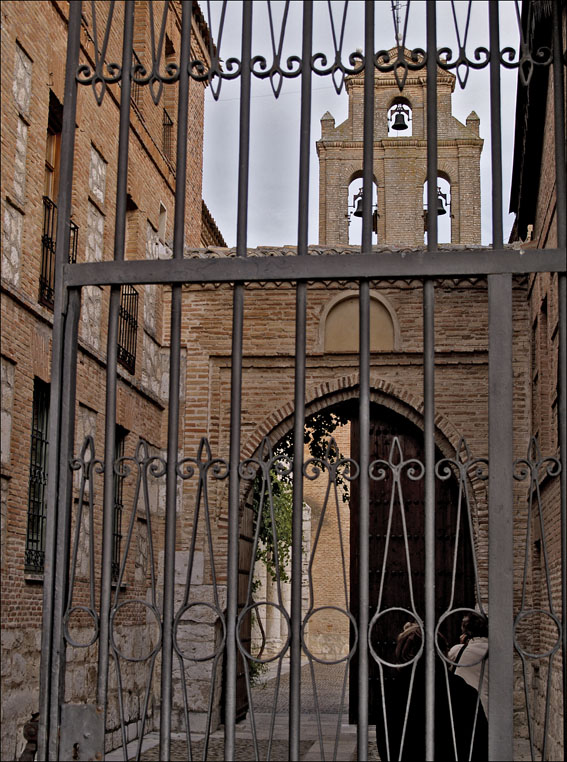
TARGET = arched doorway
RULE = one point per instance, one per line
(400, 583)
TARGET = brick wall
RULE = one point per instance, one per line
(33, 63)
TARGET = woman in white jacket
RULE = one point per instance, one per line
(472, 655)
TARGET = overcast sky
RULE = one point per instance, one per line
(274, 147)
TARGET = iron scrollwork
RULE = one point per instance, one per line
(535, 469)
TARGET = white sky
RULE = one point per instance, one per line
(274, 140)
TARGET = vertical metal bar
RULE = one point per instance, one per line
(174, 383)
(429, 385)
(111, 361)
(54, 576)
(299, 422)
(364, 370)
(236, 384)
(65, 493)
(500, 450)
(561, 204)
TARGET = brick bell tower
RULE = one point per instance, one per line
(400, 161)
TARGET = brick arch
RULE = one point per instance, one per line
(443, 171)
(344, 388)
(397, 399)
(357, 175)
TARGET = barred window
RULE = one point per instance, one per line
(119, 448)
(167, 141)
(128, 328)
(47, 275)
(37, 494)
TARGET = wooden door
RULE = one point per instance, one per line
(384, 427)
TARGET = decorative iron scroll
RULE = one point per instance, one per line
(87, 466)
(537, 625)
(338, 67)
(97, 77)
(199, 655)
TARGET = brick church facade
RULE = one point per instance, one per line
(32, 94)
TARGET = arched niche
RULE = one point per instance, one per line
(444, 227)
(339, 324)
(400, 112)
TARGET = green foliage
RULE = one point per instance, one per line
(318, 429)
(282, 499)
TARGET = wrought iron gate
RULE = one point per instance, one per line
(78, 731)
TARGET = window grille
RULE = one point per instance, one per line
(167, 135)
(35, 540)
(119, 443)
(128, 328)
(47, 275)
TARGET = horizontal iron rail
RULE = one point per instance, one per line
(451, 264)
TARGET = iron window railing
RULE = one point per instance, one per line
(48, 241)
(128, 328)
(167, 138)
(35, 540)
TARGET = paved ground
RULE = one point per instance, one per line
(324, 736)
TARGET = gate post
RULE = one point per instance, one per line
(500, 453)
(62, 398)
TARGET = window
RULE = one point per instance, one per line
(128, 328)
(53, 148)
(48, 241)
(50, 190)
(119, 446)
(169, 105)
(37, 493)
(167, 135)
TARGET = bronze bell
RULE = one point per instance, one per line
(399, 120)
(358, 207)
(440, 205)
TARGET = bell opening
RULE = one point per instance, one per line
(399, 119)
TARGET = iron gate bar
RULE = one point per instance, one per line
(500, 451)
(372, 266)
(299, 391)
(236, 384)
(429, 387)
(174, 387)
(561, 211)
(364, 385)
(50, 669)
(111, 362)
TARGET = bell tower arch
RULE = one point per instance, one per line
(400, 161)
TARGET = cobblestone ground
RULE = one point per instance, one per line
(329, 694)
(321, 687)
(215, 753)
